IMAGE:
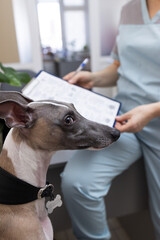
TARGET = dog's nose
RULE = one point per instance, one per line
(115, 134)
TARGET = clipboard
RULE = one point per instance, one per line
(89, 104)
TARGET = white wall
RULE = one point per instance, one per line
(8, 41)
(27, 33)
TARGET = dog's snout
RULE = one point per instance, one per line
(115, 134)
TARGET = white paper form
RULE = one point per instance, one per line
(92, 106)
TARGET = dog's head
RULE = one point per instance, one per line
(51, 125)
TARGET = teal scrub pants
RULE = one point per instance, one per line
(88, 175)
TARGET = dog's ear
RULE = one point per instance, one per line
(16, 115)
(14, 96)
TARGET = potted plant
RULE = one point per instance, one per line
(12, 77)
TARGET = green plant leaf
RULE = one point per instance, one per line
(13, 77)
(3, 78)
(7, 69)
(13, 80)
(23, 77)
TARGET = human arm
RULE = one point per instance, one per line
(105, 78)
(137, 118)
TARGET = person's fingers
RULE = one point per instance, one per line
(119, 126)
(69, 76)
(124, 127)
(74, 79)
(123, 117)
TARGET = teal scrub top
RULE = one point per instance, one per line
(138, 50)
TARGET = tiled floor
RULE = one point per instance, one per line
(117, 232)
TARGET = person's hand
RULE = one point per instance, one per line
(134, 120)
(82, 78)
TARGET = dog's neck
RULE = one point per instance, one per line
(25, 163)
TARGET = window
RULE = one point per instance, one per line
(73, 2)
(63, 25)
(50, 25)
(75, 36)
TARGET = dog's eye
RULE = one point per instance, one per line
(68, 120)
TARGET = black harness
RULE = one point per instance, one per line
(14, 191)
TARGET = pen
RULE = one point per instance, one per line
(81, 66)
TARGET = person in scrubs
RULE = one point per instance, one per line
(87, 177)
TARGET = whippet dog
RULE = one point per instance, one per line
(38, 130)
